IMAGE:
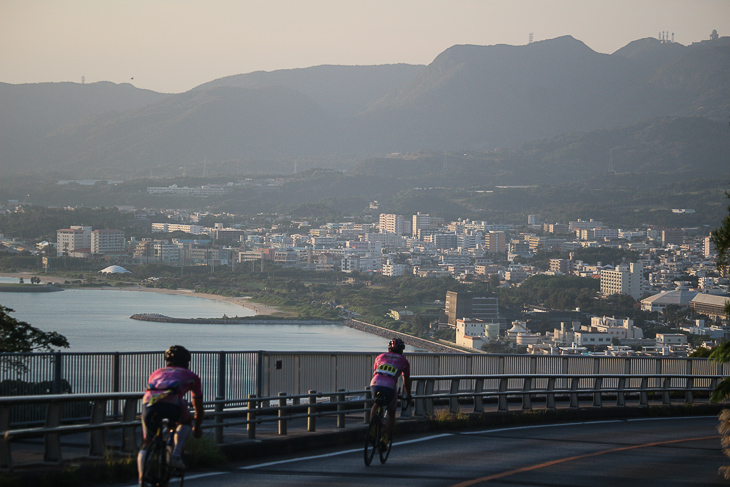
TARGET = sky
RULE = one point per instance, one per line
(171, 46)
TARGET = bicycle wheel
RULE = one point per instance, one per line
(155, 472)
(384, 452)
(371, 439)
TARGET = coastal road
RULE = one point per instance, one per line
(643, 452)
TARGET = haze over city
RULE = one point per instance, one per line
(172, 46)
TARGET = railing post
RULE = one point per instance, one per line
(526, 393)
(221, 393)
(666, 397)
(454, 401)
(574, 381)
(117, 382)
(219, 420)
(621, 394)
(340, 408)
(251, 417)
(282, 413)
(550, 396)
(6, 460)
(643, 393)
(502, 401)
(688, 397)
(57, 373)
(478, 397)
(52, 441)
(597, 385)
(311, 411)
(420, 403)
(129, 436)
(428, 402)
(97, 440)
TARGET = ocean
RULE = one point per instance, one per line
(98, 320)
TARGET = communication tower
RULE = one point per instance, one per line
(83, 79)
(530, 42)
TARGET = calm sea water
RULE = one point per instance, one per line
(96, 320)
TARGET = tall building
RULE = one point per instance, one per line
(708, 247)
(107, 242)
(479, 306)
(672, 237)
(495, 242)
(625, 279)
(420, 221)
(391, 223)
(74, 239)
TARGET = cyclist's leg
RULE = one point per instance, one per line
(387, 394)
(184, 420)
(150, 422)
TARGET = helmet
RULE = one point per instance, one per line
(178, 356)
(396, 345)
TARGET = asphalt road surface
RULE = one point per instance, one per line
(618, 453)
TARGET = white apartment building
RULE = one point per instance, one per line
(107, 241)
(625, 279)
(392, 223)
(165, 251)
(74, 239)
(621, 329)
(393, 270)
(177, 227)
(420, 220)
(474, 333)
(587, 338)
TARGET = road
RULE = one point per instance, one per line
(643, 452)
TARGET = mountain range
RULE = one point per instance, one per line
(497, 110)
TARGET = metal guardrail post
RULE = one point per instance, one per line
(688, 396)
(311, 410)
(574, 392)
(368, 405)
(97, 440)
(57, 372)
(550, 396)
(6, 460)
(526, 396)
(420, 403)
(621, 395)
(597, 385)
(644, 397)
(454, 401)
(666, 397)
(129, 436)
(428, 402)
(117, 378)
(251, 417)
(478, 397)
(340, 408)
(282, 414)
(502, 401)
(52, 441)
(219, 420)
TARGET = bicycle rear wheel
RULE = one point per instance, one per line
(371, 439)
(385, 452)
(155, 472)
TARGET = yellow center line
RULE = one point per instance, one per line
(570, 459)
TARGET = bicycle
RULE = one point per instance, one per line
(376, 431)
(157, 472)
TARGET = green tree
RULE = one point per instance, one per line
(19, 336)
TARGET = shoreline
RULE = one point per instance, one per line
(244, 302)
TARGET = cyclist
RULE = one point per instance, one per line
(164, 397)
(388, 367)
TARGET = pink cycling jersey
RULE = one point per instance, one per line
(388, 367)
(170, 385)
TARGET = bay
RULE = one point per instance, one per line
(98, 320)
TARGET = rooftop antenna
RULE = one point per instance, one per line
(83, 79)
(530, 42)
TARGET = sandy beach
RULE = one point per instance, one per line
(244, 302)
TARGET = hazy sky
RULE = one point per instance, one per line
(174, 45)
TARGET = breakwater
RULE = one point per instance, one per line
(158, 318)
(29, 288)
(407, 339)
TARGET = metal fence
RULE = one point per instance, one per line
(235, 375)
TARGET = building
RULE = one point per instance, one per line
(420, 221)
(478, 306)
(621, 329)
(474, 333)
(678, 297)
(391, 223)
(495, 242)
(672, 237)
(561, 266)
(177, 227)
(625, 279)
(710, 305)
(74, 240)
(107, 242)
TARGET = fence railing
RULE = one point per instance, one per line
(531, 391)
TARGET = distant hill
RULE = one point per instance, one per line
(469, 99)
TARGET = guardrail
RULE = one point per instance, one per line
(533, 391)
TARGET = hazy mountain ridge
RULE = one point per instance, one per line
(469, 98)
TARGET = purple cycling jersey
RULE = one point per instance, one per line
(387, 369)
(170, 384)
